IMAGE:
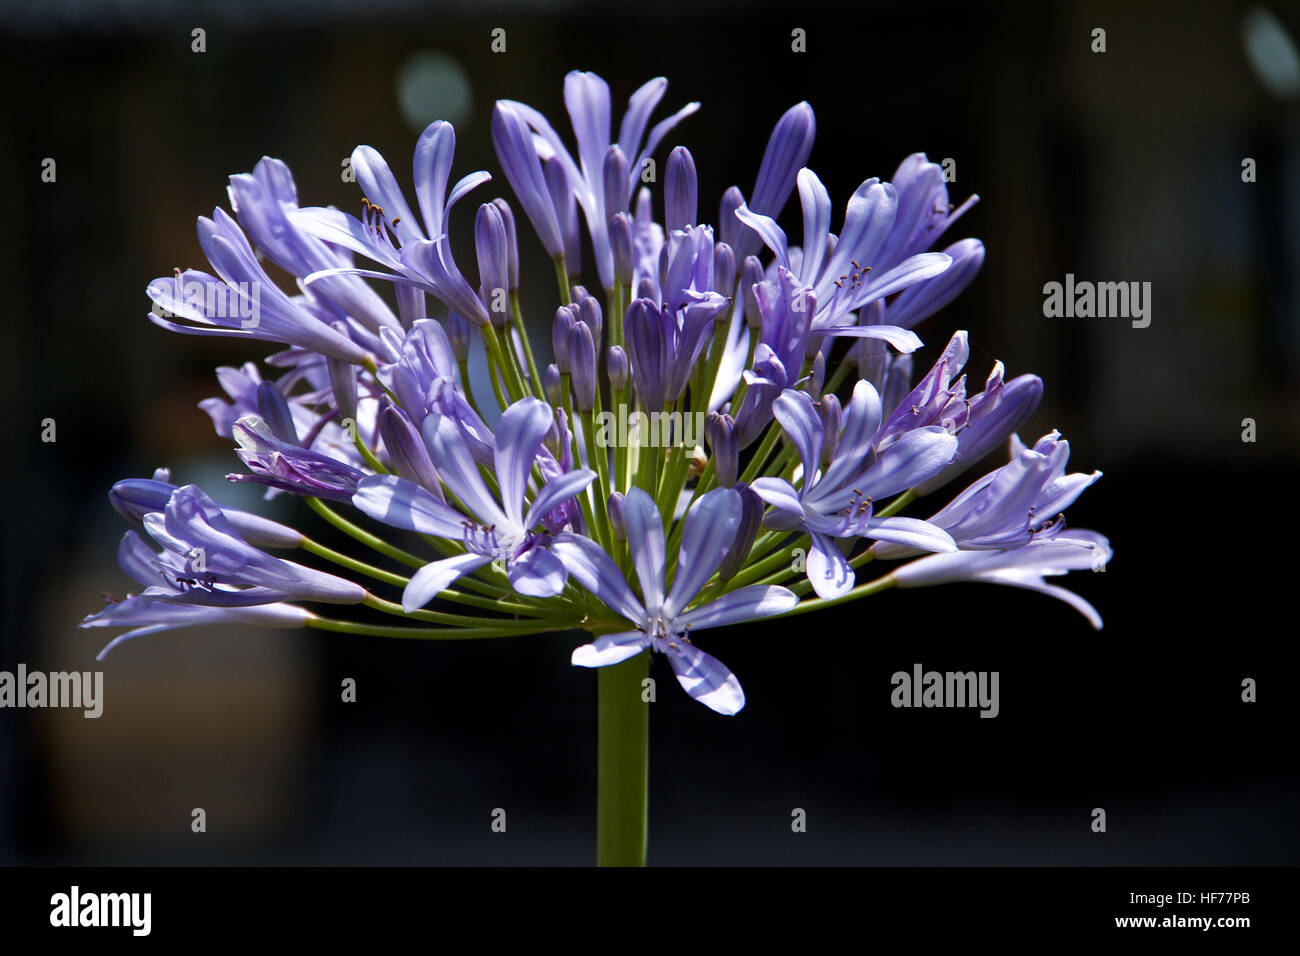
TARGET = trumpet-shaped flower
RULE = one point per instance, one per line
(501, 531)
(660, 621)
(837, 501)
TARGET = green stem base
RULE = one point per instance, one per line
(623, 755)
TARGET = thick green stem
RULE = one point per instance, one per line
(623, 757)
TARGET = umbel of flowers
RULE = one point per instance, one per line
(578, 493)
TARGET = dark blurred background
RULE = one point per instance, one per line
(1116, 166)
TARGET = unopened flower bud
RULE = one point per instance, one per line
(681, 190)
(614, 508)
(615, 180)
(720, 430)
(564, 318)
(730, 229)
(582, 366)
(407, 451)
(590, 313)
(616, 366)
(512, 240)
(620, 242)
(134, 498)
(566, 213)
(724, 269)
(493, 250)
(751, 519)
(553, 385)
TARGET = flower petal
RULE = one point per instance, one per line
(828, 569)
(772, 235)
(432, 578)
(404, 504)
(596, 571)
(861, 421)
(706, 678)
(816, 203)
(610, 649)
(709, 530)
(519, 436)
(744, 604)
(645, 539)
(379, 185)
(451, 456)
(538, 573)
(557, 491)
(798, 417)
(911, 532)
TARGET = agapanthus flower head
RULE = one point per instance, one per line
(762, 399)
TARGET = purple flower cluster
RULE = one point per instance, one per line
(811, 444)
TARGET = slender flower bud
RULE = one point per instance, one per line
(787, 152)
(580, 295)
(616, 367)
(720, 430)
(406, 449)
(552, 385)
(645, 289)
(591, 314)
(751, 520)
(615, 181)
(564, 319)
(493, 249)
(751, 274)
(831, 413)
(681, 190)
(343, 380)
(457, 328)
(274, 410)
(582, 365)
(136, 497)
(647, 350)
(724, 269)
(730, 229)
(918, 302)
(566, 211)
(617, 523)
(620, 243)
(512, 240)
